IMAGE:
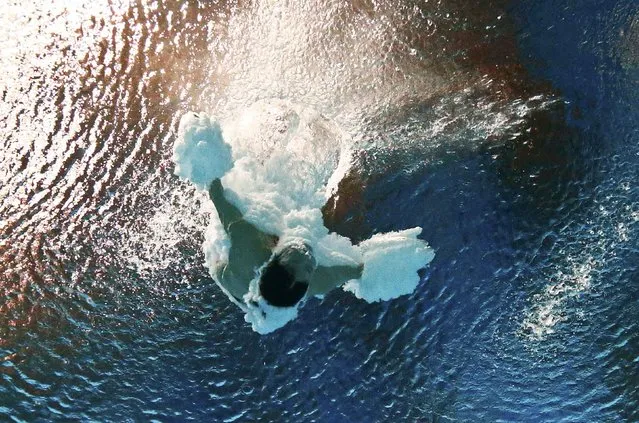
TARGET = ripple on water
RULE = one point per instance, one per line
(528, 312)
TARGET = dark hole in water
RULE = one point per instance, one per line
(279, 287)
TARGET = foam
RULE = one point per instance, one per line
(285, 155)
(278, 163)
(391, 261)
(200, 153)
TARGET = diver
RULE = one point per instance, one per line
(291, 271)
(271, 248)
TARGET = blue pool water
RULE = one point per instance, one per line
(528, 312)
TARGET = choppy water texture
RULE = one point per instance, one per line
(508, 130)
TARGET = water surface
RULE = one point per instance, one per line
(528, 312)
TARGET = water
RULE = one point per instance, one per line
(527, 313)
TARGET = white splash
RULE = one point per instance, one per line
(280, 164)
(391, 260)
(549, 307)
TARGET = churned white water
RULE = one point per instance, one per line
(278, 163)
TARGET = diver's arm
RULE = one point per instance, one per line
(227, 212)
(326, 278)
(250, 247)
(232, 220)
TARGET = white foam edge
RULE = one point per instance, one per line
(391, 262)
(200, 153)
